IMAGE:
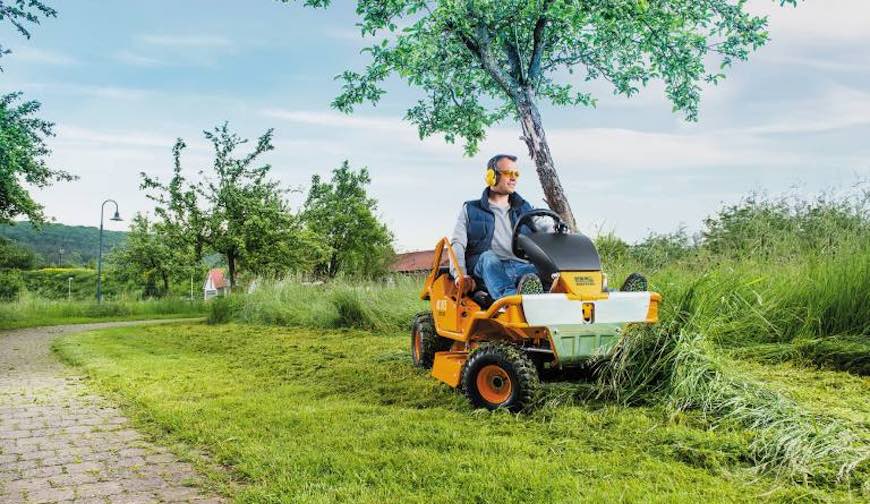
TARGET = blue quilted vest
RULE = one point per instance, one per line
(481, 225)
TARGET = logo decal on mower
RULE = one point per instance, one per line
(441, 306)
(584, 280)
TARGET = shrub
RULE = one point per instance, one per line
(11, 285)
(223, 309)
(658, 250)
(786, 227)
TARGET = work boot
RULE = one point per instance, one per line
(635, 283)
(530, 284)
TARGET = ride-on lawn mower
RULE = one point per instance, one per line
(494, 350)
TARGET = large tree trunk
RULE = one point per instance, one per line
(539, 151)
(231, 265)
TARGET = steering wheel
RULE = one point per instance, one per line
(527, 220)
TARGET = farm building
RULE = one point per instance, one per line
(215, 284)
(419, 262)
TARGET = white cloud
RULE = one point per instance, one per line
(92, 91)
(75, 135)
(816, 22)
(41, 56)
(620, 149)
(335, 119)
(187, 41)
(833, 64)
(135, 59)
(838, 108)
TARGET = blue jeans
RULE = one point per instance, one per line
(501, 275)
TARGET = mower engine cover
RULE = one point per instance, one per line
(556, 252)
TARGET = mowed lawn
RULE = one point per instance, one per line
(300, 415)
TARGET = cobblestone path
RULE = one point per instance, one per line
(60, 443)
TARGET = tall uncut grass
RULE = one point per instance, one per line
(383, 306)
(30, 311)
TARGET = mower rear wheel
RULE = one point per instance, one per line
(425, 341)
(500, 375)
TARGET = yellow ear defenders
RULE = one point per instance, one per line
(492, 168)
(491, 176)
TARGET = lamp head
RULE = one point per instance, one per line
(116, 217)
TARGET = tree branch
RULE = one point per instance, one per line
(538, 42)
(479, 48)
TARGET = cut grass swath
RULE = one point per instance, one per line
(679, 368)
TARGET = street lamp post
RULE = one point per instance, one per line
(116, 217)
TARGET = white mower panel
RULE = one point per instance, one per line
(558, 310)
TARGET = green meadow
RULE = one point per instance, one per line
(753, 386)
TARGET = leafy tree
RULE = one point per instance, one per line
(343, 214)
(14, 256)
(235, 210)
(21, 12)
(481, 61)
(22, 159)
(22, 144)
(147, 258)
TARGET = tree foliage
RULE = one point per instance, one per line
(15, 256)
(59, 244)
(481, 61)
(22, 158)
(341, 213)
(21, 13)
(11, 284)
(235, 209)
(474, 58)
(150, 259)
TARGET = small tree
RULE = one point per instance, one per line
(481, 61)
(147, 258)
(235, 210)
(343, 215)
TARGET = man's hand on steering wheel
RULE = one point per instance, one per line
(468, 285)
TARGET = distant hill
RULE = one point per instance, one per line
(79, 243)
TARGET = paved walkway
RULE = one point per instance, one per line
(60, 443)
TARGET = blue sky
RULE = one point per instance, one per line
(122, 80)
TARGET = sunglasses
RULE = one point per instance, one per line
(510, 173)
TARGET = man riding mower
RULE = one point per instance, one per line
(492, 345)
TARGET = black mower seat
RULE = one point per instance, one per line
(480, 294)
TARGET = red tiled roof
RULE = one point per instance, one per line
(416, 261)
(217, 278)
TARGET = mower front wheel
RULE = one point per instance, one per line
(425, 341)
(500, 375)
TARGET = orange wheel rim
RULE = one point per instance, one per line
(418, 345)
(494, 384)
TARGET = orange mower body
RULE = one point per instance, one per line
(495, 353)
